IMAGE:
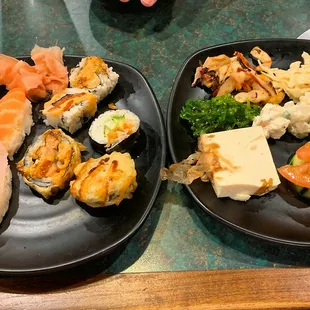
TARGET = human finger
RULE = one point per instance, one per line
(148, 2)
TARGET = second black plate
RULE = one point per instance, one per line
(278, 216)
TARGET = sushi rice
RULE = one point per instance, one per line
(93, 74)
(6, 193)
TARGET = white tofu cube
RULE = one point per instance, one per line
(239, 162)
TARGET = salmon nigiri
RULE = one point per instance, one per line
(15, 120)
(5, 182)
(49, 63)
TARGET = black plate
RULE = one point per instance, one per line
(278, 216)
(38, 237)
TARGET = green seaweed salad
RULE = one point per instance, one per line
(218, 114)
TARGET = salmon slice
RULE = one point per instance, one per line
(10, 117)
(11, 138)
(23, 112)
(16, 93)
(15, 120)
(6, 132)
(49, 63)
(12, 104)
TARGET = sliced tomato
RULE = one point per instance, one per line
(303, 152)
(298, 175)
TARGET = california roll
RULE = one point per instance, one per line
(112, 129)
(93, 74)
(70, 109)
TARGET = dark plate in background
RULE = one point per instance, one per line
(38, 236)
(277, 216)
(126, 7)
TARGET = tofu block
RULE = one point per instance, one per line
(239, 163)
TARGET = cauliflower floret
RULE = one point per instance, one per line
(272, 119)
(299, 116)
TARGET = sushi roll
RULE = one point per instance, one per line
(105, 181)
(93, 74)
(48, 164)
(111, 129)
(70, 109)
(5, 182)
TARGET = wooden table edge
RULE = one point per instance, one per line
(283, 288)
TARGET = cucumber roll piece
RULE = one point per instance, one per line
(114, 131)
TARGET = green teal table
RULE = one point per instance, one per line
(177, 234)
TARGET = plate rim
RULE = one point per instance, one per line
(90, 257)
(274, 240)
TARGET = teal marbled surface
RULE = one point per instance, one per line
(177, 235)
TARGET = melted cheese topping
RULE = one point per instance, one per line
(89, 74)
(105, 181)
(61, 103)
